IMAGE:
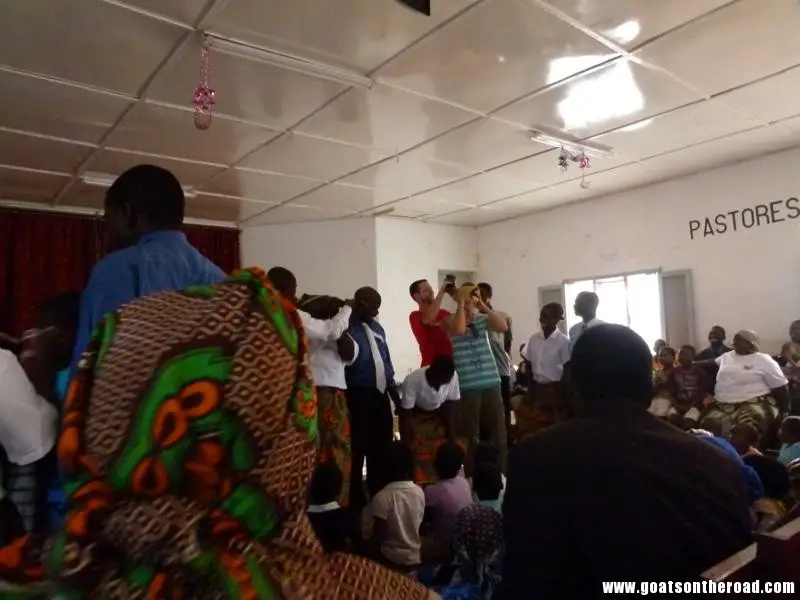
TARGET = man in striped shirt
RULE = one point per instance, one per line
(481, 407)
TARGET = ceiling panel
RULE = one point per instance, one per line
(630, 23)
(513, 49)
(303, 156)
(746, 41)
(480, 189)
(24, 185)
(341, 197)
(480, 145)
(246, 89)
(407, 174)
(291, 213)
(85, 41)
(771, 99)
(474, 217)
(544, 168)
(185, 11)
(738, 146)
(683, 127)
(115, 162)
(613, 95)
(34, 152)
(68, 111)
(426, 204)
(84, 196)
(255, 185)
(223, 208)
(326, 30)
(384, 117)
(170, 131)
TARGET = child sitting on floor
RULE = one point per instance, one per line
(334, 526)
(488, 453)
(397, 512)
(487, 485)
(744, 437)
(443, 500)
(789, 435)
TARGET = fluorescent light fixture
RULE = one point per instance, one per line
(283, 60)
(557, 139)
(104, 181)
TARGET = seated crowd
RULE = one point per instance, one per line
(227, 454)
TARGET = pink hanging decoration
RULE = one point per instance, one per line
(583, 161)
(204, 94)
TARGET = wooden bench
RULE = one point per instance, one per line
(774, 557)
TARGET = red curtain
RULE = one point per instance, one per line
(43, 254)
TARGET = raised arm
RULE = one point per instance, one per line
(497, 323)
(330, 330)
(431, 312)
(455, 324)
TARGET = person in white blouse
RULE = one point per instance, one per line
(28, 432)
(325, 321)
(586, 305)
(547, 351)
(750, 388)
(429, 396)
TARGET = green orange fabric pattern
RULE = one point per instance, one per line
(188, 439)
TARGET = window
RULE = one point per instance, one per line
(632, 300)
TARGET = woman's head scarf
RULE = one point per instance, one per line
(750, 336)
(188, 444)
(478, 548)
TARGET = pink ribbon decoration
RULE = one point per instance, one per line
(204, 95)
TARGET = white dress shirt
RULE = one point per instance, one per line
(418, 392)
(28, 423)
(547, 356)
(327, 366)
(576, 330)
(744, 377)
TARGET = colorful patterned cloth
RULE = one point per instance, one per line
(429, 434)
(188, 442)
(543, 405)
(334, 435)
(760, 412)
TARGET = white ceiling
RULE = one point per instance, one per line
(672, 86)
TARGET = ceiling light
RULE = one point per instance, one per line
(546, 136)
(105, 181)
(286, 61)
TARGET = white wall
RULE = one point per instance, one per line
(337, 257)
(327, 257)
(749, 278)
(408, 251)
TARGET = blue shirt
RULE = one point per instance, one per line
(159, 262)
(789, 453)
(362, 372)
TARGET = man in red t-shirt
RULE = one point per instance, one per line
(428, 322)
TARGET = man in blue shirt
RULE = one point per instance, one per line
(370, 393)
(143, 216)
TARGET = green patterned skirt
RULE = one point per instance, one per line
(760, 412)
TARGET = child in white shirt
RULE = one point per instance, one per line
(397, 512)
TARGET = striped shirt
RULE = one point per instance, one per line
(472, 353)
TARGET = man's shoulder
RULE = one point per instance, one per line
(112, 265)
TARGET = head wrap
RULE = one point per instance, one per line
(749, 335)
(188, 444)
(478, 547)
